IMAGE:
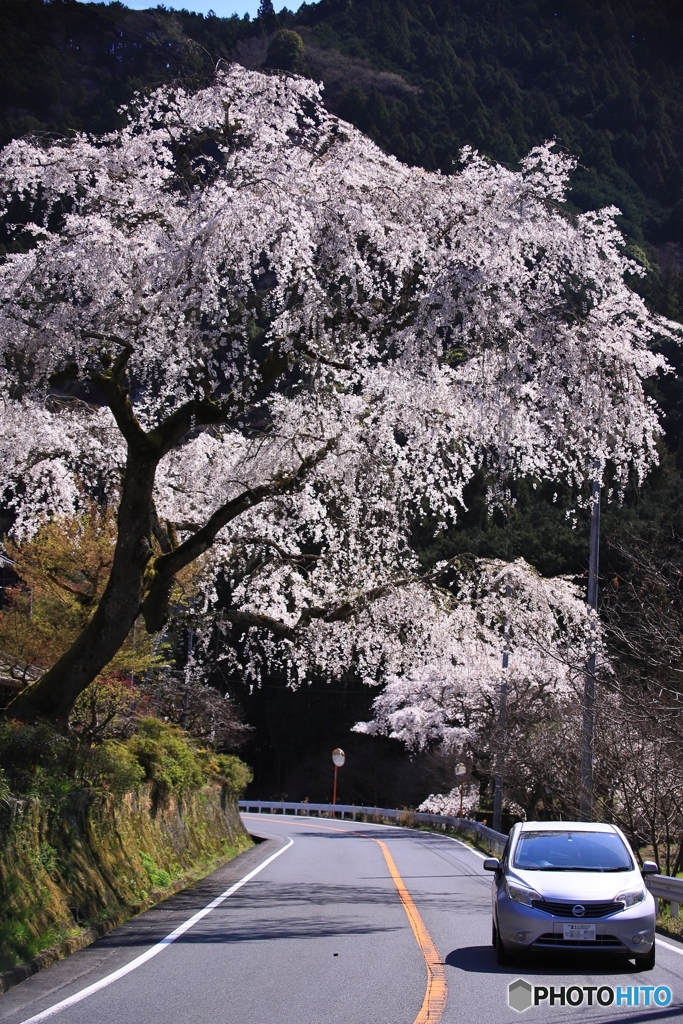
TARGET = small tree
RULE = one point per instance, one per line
(641, 726)
(266, 15)
(200, 709)
(62, 571)
(286, 52)
(451, 702)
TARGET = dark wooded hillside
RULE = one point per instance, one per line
(605, 77)
(423, 79)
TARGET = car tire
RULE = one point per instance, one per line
(494, 935)
(646, 963)
(502, 956)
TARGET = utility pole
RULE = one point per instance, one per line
(588, 723)
(502, 727)
(188, 669)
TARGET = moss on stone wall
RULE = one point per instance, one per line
(69, 868)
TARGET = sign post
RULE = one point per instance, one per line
(338, 758)
(460, 773)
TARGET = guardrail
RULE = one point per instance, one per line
(496, 840)
(665, 887)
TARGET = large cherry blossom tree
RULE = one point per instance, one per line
(272, 346)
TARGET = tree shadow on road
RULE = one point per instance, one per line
(272, 910)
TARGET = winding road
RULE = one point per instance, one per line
(325, 922)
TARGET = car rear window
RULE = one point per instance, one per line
(572, 851)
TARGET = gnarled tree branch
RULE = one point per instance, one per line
(165, 567)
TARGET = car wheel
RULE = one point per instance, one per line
(494, 935)
(502, 956)
(646, 963)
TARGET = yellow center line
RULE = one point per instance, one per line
(436, 993)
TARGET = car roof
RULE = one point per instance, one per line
(566, 826)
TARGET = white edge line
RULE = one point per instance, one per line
(109, 979)
(466, 846)
(667, 945)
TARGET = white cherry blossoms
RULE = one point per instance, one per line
(451, 699)
(251, 253)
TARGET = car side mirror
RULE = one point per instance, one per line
(491, 864)
(649, 868)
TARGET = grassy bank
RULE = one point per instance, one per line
(666, 924)
(77, 859)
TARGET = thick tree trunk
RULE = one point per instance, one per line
(53, 695)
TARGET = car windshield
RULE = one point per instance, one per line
(572, 851)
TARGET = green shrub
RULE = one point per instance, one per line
(35, 760)
(111, 766)
(228, 769)
(168, 757)
(159, 878)
(175, 764)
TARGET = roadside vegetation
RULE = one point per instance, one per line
(132, 800)
(93, 832)
(38, 761)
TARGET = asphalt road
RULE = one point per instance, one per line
(347, 924)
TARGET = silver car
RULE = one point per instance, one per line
(571, 886)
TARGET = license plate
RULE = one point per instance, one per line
(580, 932)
